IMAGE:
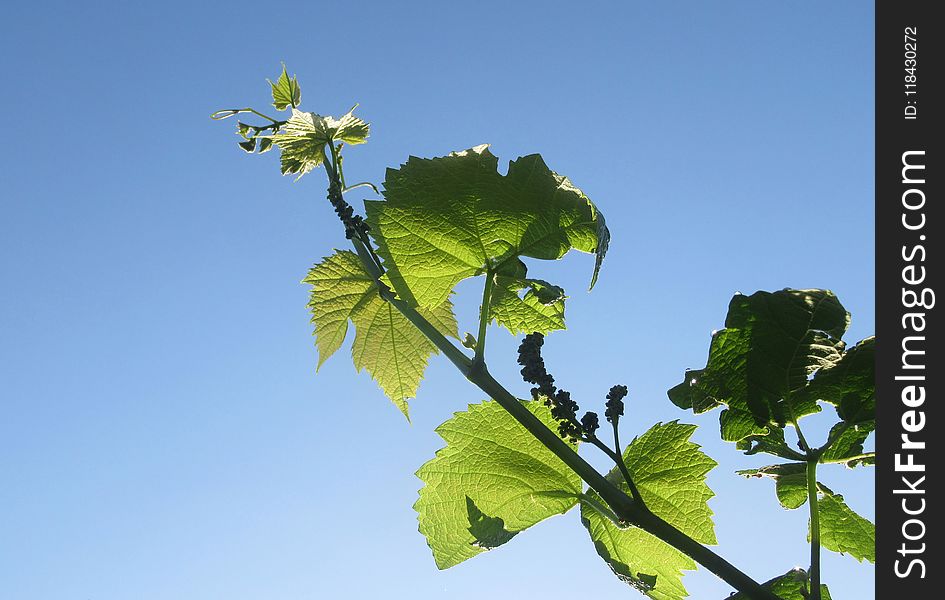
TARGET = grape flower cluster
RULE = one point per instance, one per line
(563, 408)
(354, 224)
(615, 403)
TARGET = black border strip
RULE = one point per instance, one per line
(908, 271)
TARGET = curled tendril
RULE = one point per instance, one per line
(226, 113)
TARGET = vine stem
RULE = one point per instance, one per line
(622, 465)
(814, 530)
(801, 441)
(623, 506)
(618, 460)
(484, 318)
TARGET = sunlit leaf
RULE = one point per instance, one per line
(303, 138)
(286, 91)
(391, 348)
(842, 530)
(759, 365)
(491, 480)
(849, 384)
(848, 443)
(790, 482)
(669, 471)
(449, 218)
(527, 305)
(793, 585)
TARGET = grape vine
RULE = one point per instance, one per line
(779, 358)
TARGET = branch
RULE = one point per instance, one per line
(623, 506)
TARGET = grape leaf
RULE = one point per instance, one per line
(540, 309)
(848, 444)
(849, 384)
(303, 138)
(842, 530)
(449, 218)
(793, 585)
(669, 471)
(760, 363)
(491, 477)
(736, 425)
(790, 482)
(771, 442)
(286, 91)
(392, 350)
(636, 557)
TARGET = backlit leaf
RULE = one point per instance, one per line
(286, 91)
(848, 443)
(793, 585)
(491, 480)
(849, 384)
(391, 348)
(303, 138)
(760, 364)
(540, 308)
(669, 471)
(790, 482)
(453, 217)
(842, 530)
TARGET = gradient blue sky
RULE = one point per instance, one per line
(163, 433)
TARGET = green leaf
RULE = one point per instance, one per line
(759, 364)
(491, 477)
(842, 530)
(868, 460)
(449, 218)
(793, 585)
(736, 425)
(669, 471)
(249, 145)
(636, 557)
(849, 384)
(848, 443)
(540, 309)
(790, 482)
(392, 350)
(303, 138)
(286, 91)
(771, 442)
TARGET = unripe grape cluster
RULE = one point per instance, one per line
(354, 224)
(615, 403)
(563, 408)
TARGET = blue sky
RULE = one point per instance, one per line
(163, 431)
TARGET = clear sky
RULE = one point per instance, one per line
(163, 434)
